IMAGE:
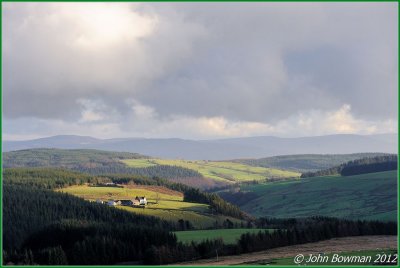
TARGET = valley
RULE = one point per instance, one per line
(198, 207)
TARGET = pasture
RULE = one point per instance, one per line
(162, 202)
(368, 196)
(229, 236)
(219, 171)
(141, 163)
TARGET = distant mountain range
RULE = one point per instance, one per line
(220, 149)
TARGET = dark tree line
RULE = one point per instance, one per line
(46, 178)
(359, 166)
(369, 165)
(217, 204)
(162, 171)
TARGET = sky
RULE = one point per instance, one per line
(199, 70)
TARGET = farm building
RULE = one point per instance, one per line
(114, 203)
(136, 202)
(126, 203)
(140, 201)
(111, 203)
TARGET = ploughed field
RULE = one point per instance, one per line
(162, 202)
(368, 245)
(368, 196)
(360, 257)
(218, 170)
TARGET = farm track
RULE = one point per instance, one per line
(335, 245)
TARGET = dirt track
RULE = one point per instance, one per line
(335, 245)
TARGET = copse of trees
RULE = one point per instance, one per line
(217, 204)
(359, 166)
(369, 165)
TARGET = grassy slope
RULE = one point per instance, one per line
(170, 205)
(220, 171)
(230, 236)
(139, 163)
(305, 162)
(368, 196)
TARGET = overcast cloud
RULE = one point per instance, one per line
(199, 70)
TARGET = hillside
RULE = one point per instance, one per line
(167, 200)
(44, 227)
(72, 159)
(199, 174)
(163, 203)
(227, 172)
(305, 162)
(97, 162)
(222, 149)
(367, 196)
(358, 166)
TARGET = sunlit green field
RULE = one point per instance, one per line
(109, 193)
(139, 163)
(162, 203)
(220, 171)
(229, 236)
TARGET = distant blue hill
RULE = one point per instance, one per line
(220, 149)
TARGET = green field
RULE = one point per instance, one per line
(139, 163)
(108, 193)
(162, 203)
(372, 253)
(229, 236)
(367, 196)
(220, 171)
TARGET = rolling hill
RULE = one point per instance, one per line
(227, 172)
(200, 174)
(72, 159)
(305, 162)
(366, 196)
(222, 149)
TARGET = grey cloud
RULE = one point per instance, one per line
(259, 62)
